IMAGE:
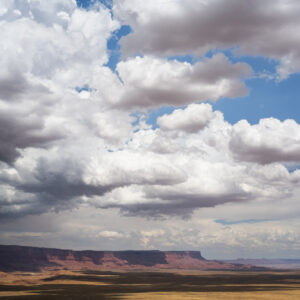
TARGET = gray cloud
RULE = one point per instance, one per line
(12, 85)
(22, 132)
(61, 183)
(269, 28)
(15, 86)
(52, 185)
(177, 204)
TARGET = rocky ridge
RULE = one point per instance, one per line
(23, 258)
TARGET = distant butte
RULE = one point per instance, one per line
(22, 258)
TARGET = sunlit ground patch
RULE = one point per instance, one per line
(281, 295)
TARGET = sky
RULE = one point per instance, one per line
(170, 125)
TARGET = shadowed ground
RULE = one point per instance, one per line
(151, 285)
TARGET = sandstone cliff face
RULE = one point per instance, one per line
(20, 258)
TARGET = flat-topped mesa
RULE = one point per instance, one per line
(193, 254)
(22, 258)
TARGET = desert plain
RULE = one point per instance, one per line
(158, 284)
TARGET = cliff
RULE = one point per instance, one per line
(21, 258)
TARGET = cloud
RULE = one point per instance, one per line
(192, 119)
(68, 137)
(152, 82)
(43, 118)
(11, 85)
(201, 167)
(52, 40)
(43, 60)
(41, 12)
(255, 27)
(21, 132)
(195, 167)
(110, 234)
(267, 142)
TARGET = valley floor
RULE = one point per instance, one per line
(171, 285)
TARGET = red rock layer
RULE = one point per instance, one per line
(19, 258)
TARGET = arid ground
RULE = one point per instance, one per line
(150, 285)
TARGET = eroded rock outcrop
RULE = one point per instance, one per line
(21, 258)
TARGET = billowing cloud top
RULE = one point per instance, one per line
(74, 132)
(192, 119)
(152, 82)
